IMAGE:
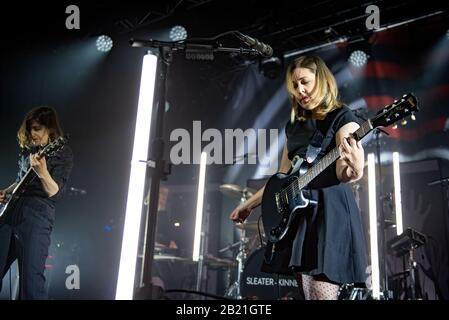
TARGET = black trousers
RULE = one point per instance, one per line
(25, 236)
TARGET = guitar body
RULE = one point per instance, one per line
(279, 210)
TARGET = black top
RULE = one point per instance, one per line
(301, 133)
(59, 166)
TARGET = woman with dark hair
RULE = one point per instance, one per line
(327, 249)
(25, 231)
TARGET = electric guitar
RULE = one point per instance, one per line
(48, 151)
(283, 196)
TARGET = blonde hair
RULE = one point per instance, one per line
(326, 90)
(45, 116)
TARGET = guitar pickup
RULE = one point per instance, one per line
(278, 205)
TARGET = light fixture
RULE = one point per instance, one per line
(104, 43)
(178, 33)
(372, 197)
(199, 208)
(358, 58)
(397, 193)
(128, 256)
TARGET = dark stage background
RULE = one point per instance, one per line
(96, 95)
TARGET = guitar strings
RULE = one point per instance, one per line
(290, 189)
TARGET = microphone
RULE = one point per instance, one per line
(262, 48)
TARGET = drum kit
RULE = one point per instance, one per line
(245, 280)
(250, 282)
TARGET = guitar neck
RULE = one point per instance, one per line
(23, 182)
(330, 157)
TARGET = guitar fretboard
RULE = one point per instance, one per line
(327, 160)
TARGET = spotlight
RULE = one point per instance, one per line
(104, 43)
(178, 33)
(358, 58)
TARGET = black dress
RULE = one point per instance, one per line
(329, 238)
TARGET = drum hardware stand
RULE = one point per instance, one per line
(203, 249)
(235, 289)
(405, 245)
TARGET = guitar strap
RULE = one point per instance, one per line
(319, 143)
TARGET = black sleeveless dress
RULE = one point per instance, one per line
(329, 238)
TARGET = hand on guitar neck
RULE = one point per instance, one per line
(39, 164)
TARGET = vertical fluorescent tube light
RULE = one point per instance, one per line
(128, 257)
(375, 276)
(397, 193)
(199, 208)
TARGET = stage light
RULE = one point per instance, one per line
(199, 208)
(178, 33)
(128, 256)
(397, 193)
(358, 58)
(104, 43)
(372, 199)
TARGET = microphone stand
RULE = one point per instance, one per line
(159, 169)
(194, 51)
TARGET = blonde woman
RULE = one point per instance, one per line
(326, 249)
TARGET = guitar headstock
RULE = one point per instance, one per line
(53, 147)
(396, 111)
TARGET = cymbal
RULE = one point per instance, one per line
(169, 257)
(217, 263)
(236, 191)
(248, 226)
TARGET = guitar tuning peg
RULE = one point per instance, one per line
(394, 127)
(404, 122)
(413, 117)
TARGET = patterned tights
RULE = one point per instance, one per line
(317, 287)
